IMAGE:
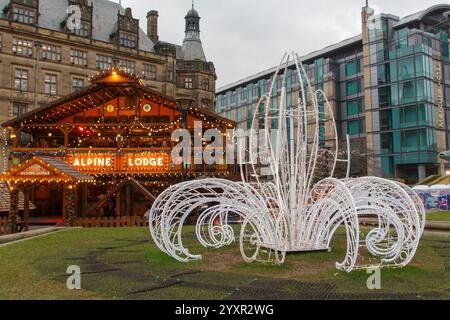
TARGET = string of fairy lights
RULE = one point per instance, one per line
(102, 133)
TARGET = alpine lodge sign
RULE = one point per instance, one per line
(143, 162)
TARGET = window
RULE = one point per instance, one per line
(23, 15)
(127, 40)
(267, 85)
(354, 128)
(51, 52)
(354, 107)
(386, 142)
(84, 31)
(352, 68)
(21, 80)
(413, 114)
(386, 120)
(206, 104)
(384, 97)
(19, 109)
(128, 66)
(413, 140)
(104, 62)
(22, 47)
(77, 84)
(50, 84)
(169, 76)
(149, 71)
(294, 78)
(205, 84)
(189, 83)
(405, 69)
(407, 92)
(78, 57)
(383, 74)
(233, 97)
(223, 102)
(255, 91)
(352, 87)
(244, 94)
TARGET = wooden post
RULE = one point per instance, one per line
(84, 200)
(26, 208)
(128, 201)
(118, 203)
(64, 203)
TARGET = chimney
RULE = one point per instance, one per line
(152, 26)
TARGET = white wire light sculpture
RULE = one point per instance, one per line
(285, 211)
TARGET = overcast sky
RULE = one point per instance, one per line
(243, 37)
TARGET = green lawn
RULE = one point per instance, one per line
(439, 216)
(125, 264)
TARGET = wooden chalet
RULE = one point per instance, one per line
(104, 150)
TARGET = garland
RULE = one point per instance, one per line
(71, 206)
(13, 216)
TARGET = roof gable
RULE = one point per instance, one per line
(45, 168)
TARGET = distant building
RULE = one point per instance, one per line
(389, 89)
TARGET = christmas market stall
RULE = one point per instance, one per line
(106, 150)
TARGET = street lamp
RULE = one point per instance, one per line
(184, 103)
(37, 45)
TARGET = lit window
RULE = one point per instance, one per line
(189, 83)
(22, 47)
(51, 52)
(128, 66)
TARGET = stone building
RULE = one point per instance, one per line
(50, 48)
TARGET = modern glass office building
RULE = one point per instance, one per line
(389, 88)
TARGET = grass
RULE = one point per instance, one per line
(124, 264)
(439, 216)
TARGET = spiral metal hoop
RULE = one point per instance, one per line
(286, 211)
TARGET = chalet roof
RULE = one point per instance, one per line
(48, 168)
(65, 168)
(106, 86)
(5, 198)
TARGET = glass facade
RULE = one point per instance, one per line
(399, 91)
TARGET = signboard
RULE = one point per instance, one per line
(143, 162)
(35, 170)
